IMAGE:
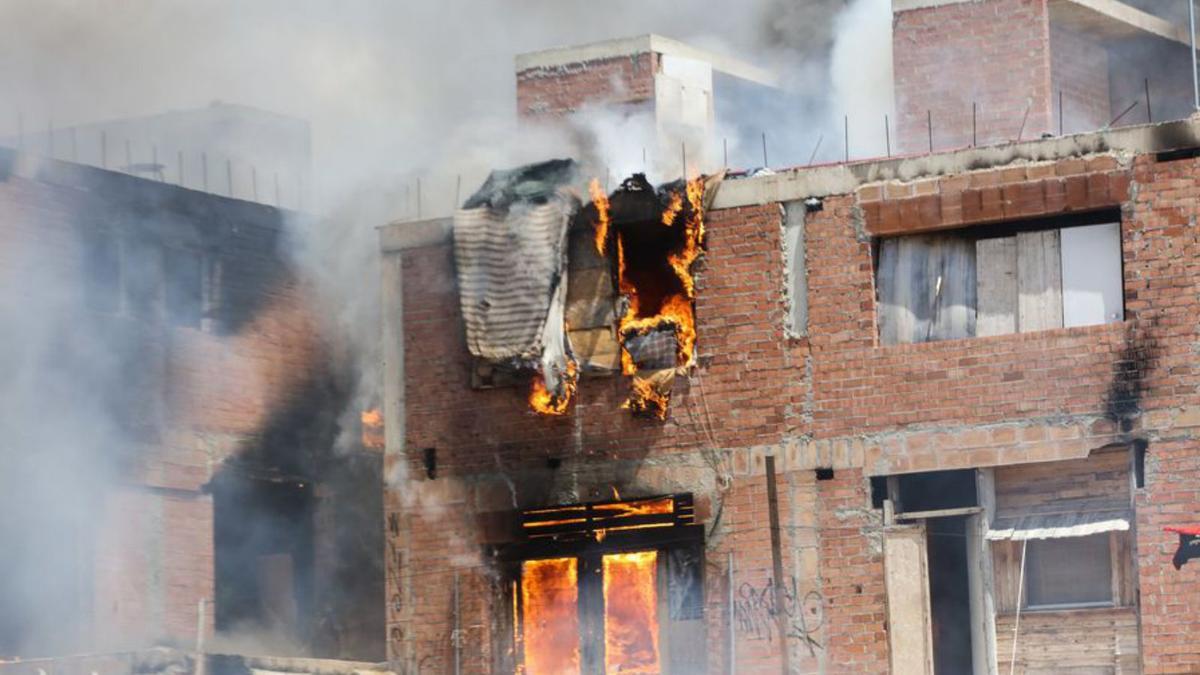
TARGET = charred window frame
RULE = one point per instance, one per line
(101, 271)
(185, 280)
(142, 276)
(584, 538)
(795, 270)
(999, 279)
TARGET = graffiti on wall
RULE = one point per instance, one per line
(757, 617)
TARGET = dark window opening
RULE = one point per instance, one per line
(949, 594)
(263, 539)
(102, 271)
(878, 491)
(184, 287)
(824, 474)
(1140, 448)
(935, 490)
(143, 276)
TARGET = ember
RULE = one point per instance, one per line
(545, 401)
(372, 429)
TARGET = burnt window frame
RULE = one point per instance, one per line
(589, 553)
(172, 308)
(100, 246)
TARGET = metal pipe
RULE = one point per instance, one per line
(846, 135)
(764, 144)
(1149, 112)
(815, 149)
(777, 565)
(1123, 113)
(732, 617)
(887, 135)
(1192, 36)
(454, 637)
(929, 124)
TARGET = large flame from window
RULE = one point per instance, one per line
(631, 613)
(550, 598)
(654, 274)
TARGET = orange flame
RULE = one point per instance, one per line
(545, 401)
(550, 598)
(372, 429)
(676, 311)
(673, 209)
(645, 398)
(631, 613)
(602, 221)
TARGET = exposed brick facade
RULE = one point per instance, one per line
(836, 398)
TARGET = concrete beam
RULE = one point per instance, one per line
(643, 44)
(828, 180)
(402, 235)
(1105, 18)
(1113, 19)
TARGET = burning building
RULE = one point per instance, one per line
(927, 414)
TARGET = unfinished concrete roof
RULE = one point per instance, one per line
(1106, 18)
(821, 181)
(642, 44)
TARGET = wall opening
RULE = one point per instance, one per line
(611, 587)
(949, 594)
(263, 541)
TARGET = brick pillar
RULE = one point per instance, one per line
(995, 53)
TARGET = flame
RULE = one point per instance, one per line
(601, 201)
(645, 398)
(673, 209)
(546, 402)
(550, 598)
(675, 311)
(631, 613)
(372, 429)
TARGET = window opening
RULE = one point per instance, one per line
(1069, 572)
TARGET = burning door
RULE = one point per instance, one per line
(617, 630)
(600, 600)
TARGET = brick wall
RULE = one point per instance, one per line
(993, 53)
(555, 90)
(1079, 71)
(833, 399)
(174, 401)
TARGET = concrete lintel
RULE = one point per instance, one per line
(402, 235)
(1113, 19)
(836, 179)
(642, 44)
(906, 5)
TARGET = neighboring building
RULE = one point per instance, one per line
(170, 417)
(942, 408)
(682, 91)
